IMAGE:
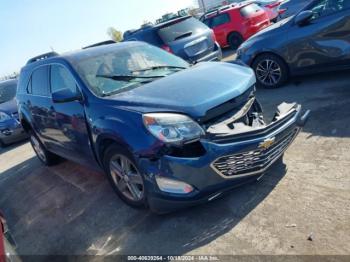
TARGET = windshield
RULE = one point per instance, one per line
(7, 92)
(122, 68)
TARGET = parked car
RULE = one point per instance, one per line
(315, 40)
(167, 134)
(291, 7)
(10, 128)
(232, 24)
(271, 7)
(185, 37)
(7, 243)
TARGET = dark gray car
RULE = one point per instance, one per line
(10, 129)
(315, 40)
(291, 7)
(185, 37)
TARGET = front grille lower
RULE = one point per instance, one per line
(252, 162)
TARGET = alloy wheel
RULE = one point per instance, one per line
(126, 177)
(268, 72)
(38, 148)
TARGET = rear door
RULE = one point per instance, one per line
(70, 133)
(188, 38)
(40, 105)
(323, 43)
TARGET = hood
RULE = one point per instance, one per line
(193, 91)
(9, 107)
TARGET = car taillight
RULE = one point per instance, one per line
(167, 48)
(282, 11)
(273, 5)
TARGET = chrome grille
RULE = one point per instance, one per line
(252, 162)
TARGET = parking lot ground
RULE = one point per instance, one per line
(68, 209)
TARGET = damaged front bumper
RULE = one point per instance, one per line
(231, 157)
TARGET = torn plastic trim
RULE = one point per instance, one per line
(236, 116)
(285, 113)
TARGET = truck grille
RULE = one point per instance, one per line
(252, 162)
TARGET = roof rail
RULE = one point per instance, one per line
(108, 42)
(42, 57)
(218, 9)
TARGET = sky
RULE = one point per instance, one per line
(32, 27)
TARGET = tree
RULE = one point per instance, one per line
(114, 34)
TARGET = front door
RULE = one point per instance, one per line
(70, 135)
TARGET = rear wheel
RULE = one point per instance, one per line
(270, 70)
(46, 157)
(124, 175)
(235, 40)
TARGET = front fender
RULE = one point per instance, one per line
(127, 131)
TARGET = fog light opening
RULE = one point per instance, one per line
(173, 186)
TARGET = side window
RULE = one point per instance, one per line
(39, 82)
(220, 20)
(328, 7)
(61, 78)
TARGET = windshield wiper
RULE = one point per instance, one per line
(159, 67)
(128, 78)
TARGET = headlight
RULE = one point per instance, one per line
(4, 117)
(172, 128)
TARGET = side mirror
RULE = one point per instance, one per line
(303, 17)
(65, 95)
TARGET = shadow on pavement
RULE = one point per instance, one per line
(68, 209)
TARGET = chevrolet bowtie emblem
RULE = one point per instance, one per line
(267, 143)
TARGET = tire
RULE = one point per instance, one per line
(45, 157)
(126, 179)
(235, 40)
(270, 70)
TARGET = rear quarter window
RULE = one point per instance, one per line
(182, 29)
(250, 10)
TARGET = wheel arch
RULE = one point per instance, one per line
(25, 122)
(103, 141)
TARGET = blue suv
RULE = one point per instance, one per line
(185, 37)
(167, 134)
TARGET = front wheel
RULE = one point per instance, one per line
(270, 70)
(124, 175)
